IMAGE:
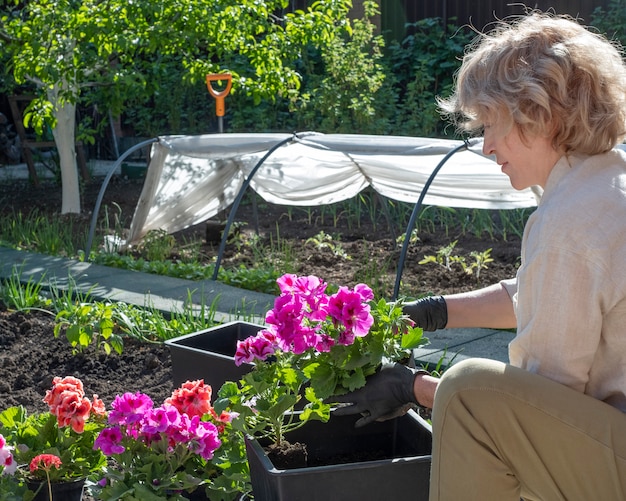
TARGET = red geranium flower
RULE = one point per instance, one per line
(45, 462)
(192, 398)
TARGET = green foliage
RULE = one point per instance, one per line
(38, 433)
(13, 489)
(23, 296)
(480, 262)
(264, 395)
(126, 51)
(39, 232)
(342, 96)
(85, 323)
(443, 256)
(250, 278)
(167, 102)
(423, 66)
(446, 259)
(353, 86)
(187, 271)
(157, 245)
(325, 241)
(612, 21)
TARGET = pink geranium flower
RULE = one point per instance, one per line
(306, 319)
(109, 441)
(7, 461)
(257, 347)
(129, 408)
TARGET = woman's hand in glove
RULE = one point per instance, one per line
(386, 395)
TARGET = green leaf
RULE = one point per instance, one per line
(413, 338)
(73, 334)
(318, 411)
(323, 380)
(354, 381)
(11, 416)
(284, 404)
(84, 338)
(228, 389)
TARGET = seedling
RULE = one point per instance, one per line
(325, 241)
(443, 256)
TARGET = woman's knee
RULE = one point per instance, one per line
(471, 373)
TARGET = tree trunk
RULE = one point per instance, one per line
(64, 137)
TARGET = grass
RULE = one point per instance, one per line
(38, 232)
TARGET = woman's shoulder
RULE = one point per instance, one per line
(586, 194)
(582, 179)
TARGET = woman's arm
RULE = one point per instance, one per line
(490, 307)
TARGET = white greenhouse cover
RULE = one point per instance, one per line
(192, 178)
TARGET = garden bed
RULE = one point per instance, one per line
(360, 247)
(29, 355)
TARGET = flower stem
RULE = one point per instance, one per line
(49, 485)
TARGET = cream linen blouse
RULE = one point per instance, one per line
(569, 295)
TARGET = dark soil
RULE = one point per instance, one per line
(30, 356)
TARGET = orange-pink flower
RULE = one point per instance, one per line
(61, 387)
(45, 462)
(192, 398)
(97, 406)
(68, 403)
(73, 411)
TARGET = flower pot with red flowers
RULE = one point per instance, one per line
(53, 451)
(173, 451)
(47, 490)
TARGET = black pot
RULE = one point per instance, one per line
(209, 354)
(61, 491)
(401, 470)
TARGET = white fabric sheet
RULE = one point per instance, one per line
(192, 178)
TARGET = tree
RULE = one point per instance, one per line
(64, 46)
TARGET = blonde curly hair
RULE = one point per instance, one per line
(548, 75)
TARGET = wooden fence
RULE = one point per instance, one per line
(395, 14)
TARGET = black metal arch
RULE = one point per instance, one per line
(235, 206)
(105, 183)
(415, 213)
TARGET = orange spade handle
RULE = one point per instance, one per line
(219, 96)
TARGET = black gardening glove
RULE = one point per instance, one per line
(429, 313)
(386, 395)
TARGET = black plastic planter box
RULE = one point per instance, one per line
(406, 442)
(209, 354)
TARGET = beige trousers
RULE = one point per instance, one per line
(501, 433)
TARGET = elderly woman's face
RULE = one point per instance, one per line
(527, 160)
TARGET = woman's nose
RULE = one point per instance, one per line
(488, 148)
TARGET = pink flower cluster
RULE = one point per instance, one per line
(304, 317)
(178, 420)
(7, 461)
(68, 403)
(45, 462)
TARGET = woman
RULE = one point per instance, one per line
(550, 98)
